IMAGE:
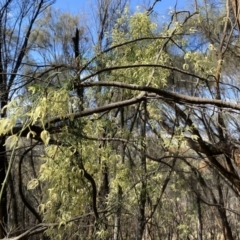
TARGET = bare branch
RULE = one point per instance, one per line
(176, 97)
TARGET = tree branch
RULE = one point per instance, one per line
(176, 97)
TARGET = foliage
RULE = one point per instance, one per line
(136, 135)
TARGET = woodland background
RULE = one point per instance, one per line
(120, 124)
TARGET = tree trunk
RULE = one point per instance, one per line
(200, 224)
(143, 191)
(118, 215)
(3, 200)
(235, 7)
(227, 232)
(120, 192)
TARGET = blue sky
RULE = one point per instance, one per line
(78, 6)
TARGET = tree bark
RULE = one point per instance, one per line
(200, 224)
(3, 200)
(143, 191)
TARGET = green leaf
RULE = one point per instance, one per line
(45, 136)
(11, 141)
(32, 184)
(31, 133)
